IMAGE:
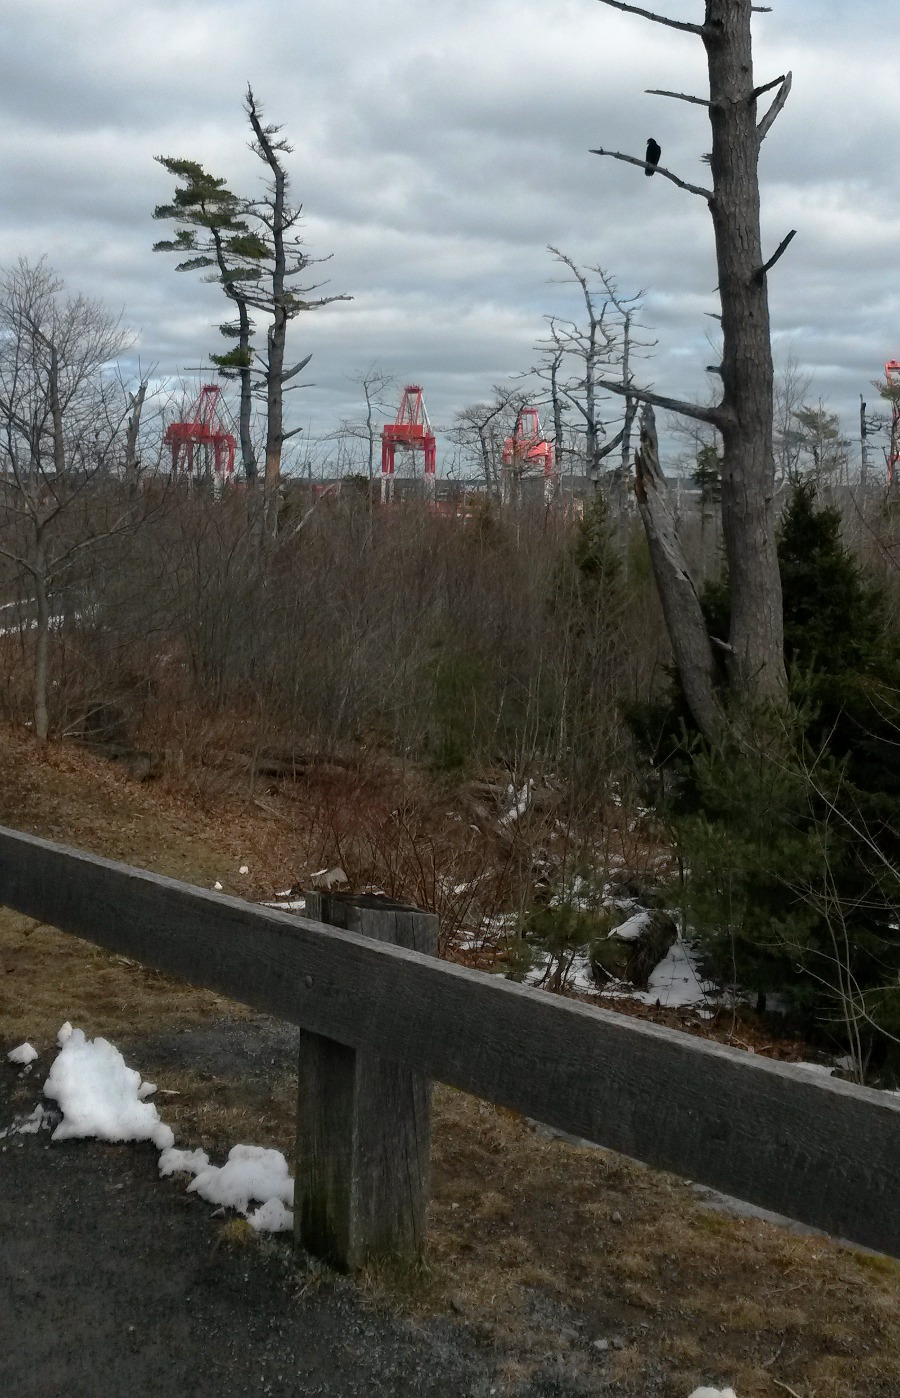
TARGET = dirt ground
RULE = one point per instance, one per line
(537, 1248)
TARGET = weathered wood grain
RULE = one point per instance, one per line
(816, 1149)
(363, 1123)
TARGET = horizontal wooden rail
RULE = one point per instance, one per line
(818, 1150)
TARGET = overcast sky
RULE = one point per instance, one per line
(438, 150)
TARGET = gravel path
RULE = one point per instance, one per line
(112, 1283)
(115, 1283)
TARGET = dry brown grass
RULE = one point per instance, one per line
(539, 1245)
(47, 977)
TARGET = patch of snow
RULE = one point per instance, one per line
(815, 1068)
(520, 801)
(499, 927)
(577, 973)
(173, 1161)
(244, 869)
(329, 878)
(24, 1054)
(217, 887)
(271, 1217)
(99, 1095)
(64, 1034)
(578, 894)
(250, 1172)
(676, 981)
(635, 926)
(292, 905)
(713, 1393)
(580, 976)
(29, 1125)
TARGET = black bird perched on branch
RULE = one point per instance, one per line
(654, 151)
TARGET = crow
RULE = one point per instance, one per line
(653, 154)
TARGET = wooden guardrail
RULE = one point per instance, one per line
(816, 1149)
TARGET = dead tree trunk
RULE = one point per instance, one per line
(133, 431)
(41, 641)
(748, 471)
(279, 218)
(681, 606)
(744, 415)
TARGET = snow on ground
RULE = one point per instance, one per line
(633, 927)
(29, 1125)
(676, 982)
(577, 974)
(286, 903)
(99, 1095)
(520, 800)
(250, 1173)
(713, 1393)
(24, 1054)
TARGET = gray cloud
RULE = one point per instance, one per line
(436, 153)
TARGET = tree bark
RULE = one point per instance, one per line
(756, 663)
(248, 455)
(277, 334)
(56, 416)
(41, 642)
(131, 435)
(685, 623)
(745, 415)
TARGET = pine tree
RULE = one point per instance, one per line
(215, 233)
(793, 841)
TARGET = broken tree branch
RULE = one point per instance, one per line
(713, 416)
(706, 194)
(681, 96)
(657, 19)
(758, 276)
(765, 124)
(766, 87)
(678, 594)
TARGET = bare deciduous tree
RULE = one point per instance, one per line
(58, 430)
(482, 428)
(577, 353)
(374, 383)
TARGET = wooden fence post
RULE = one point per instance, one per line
(363, 1123)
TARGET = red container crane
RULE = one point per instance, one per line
(411, 430)
(527, 450)
(200, 439)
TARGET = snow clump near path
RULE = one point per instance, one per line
(250, 1173)
(713, 1393)
(99, 1095)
